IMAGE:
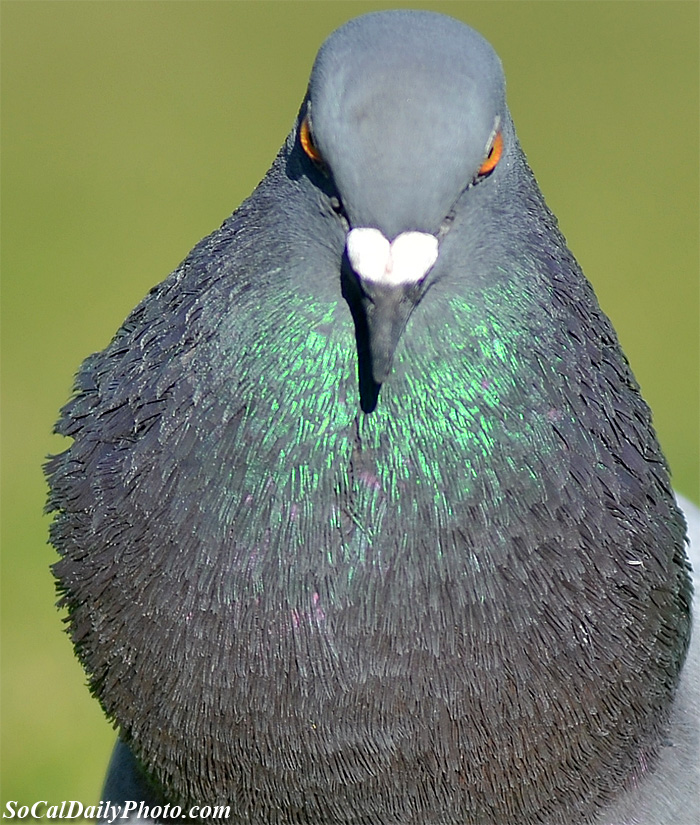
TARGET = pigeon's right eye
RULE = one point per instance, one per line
(307, 141)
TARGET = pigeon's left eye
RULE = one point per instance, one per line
(307, 141)
(493, 156)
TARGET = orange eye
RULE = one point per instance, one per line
(307, 142)
(493, 156)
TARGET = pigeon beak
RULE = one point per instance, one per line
(390, 274)
(387, 309)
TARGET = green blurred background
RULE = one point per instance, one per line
(130, 130)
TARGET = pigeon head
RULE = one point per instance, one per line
(403, 114)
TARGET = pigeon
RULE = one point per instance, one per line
(364, 520)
